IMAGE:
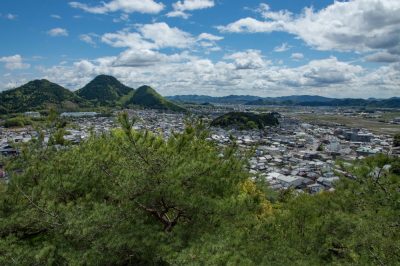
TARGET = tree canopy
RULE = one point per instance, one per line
(134, 198)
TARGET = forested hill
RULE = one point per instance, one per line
(38, 95)
(147, 97)
(245, 121)
(105, 90)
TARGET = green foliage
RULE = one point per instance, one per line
(147, 97)
(18, 121)
(245, 121)
(38, 95)
(320, 147)
(396, 140)
(125, 198)
(105, 90)
(134, 198)
(3, 110)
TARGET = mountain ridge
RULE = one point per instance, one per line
(37, 95)
(299, 100)
(147, 97)
(104, 89)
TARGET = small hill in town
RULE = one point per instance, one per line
(39, 95)
(245, 121)
(105, 90)
(147, 97)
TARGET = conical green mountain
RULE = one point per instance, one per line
(147, 97)
(104, 89)
(38, 95)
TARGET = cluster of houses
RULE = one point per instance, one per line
(158, 122)
(302, 156)
(293, 155)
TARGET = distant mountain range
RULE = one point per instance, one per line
(299, 100)
(101, 91)
(108, 91)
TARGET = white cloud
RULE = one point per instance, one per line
(156, 36)
(193, 4)
(9, 16)
(165, 36)
(14, 62)
(250, 59)
(122, 18)
(177, 13)
(209, 37)
(236, 73)
(181, 7)
(132, 40)
(250, 25)
(126, 6)
(57, 32)
(355, 25)
(55, 16)
(297, 56)
(282, 48)
(88, 38)
(382, 57)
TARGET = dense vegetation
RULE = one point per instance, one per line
(133, 198)
(104, 90)
(245, 121)
(396, 140)
(38, 95)
(18, 121)
(147, 97)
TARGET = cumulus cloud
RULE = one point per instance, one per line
(250, 59)
(209, 37)
(250, 25)
(282, 48)
(355, 25)
(236, 73)
(88, 38)
(14, 62)
(129, 39)
(158, 36)
(382, 57)
(57, 32)
(126, 6)
(297, 56)
(150, 36)
(180, 7)
(165, 36)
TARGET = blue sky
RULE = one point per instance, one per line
(214, 47)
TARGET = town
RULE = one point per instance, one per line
(304, 156)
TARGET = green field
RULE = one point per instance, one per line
(357, 122)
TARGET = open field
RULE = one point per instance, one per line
(357, 122)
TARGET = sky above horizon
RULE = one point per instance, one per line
(208, 47)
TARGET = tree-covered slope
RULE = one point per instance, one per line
(242, 120)
(105, 90)
(147, 97)
(37, 95)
